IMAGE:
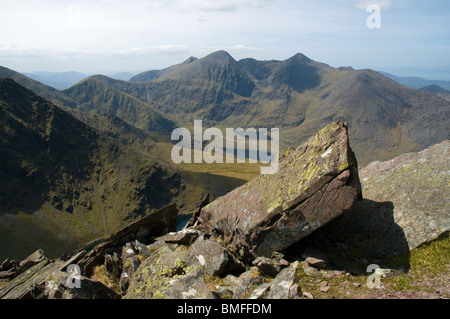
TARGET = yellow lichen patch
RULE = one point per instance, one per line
(101, 276)
(344, 165)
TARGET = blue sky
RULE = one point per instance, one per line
(94, 36)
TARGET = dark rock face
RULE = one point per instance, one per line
(315, 184)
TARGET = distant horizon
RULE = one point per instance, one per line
(433, 73)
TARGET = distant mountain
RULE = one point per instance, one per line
(154, 74)
(416, 82)
(437, 90)
(64, 80)
(98, 94)
(58, 80)
(65, 182)
(297, 95)
(198, 85)
(41, 89)
(123, 76)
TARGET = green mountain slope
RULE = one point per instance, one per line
(97, 94)
(45, 91)
(64, 183)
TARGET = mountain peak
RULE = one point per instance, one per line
(218, 56)
(433, 88)
(190, 60)
(301, 58)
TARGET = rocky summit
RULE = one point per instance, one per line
(277, 237)
(316, 182)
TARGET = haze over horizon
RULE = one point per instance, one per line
(109, 36)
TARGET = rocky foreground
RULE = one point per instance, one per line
(270, 238)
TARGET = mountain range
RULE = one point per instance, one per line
(297, 95)
(94, 156)
(437, 90)
(415, 82)
(64, 80)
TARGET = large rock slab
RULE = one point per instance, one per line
(20, 285)
(315, 183)
(406, 203)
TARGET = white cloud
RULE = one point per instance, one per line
(363, 4)
(217, 5)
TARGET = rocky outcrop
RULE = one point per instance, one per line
(240, 246)
(167, 274)
(45, 279)
(315, 183)
(145, 229)
(12, 268)
(39, 277)
(405, 203)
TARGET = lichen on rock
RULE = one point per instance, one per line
(315, 184)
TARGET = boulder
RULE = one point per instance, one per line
(167, 274)
(315, 183)
(142, 250)
(284, 285)
(267, 266)
(315, 258)
(250, 280)
(217, 261)
(405, 204)
(310, 271)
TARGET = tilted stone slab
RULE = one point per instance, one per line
(315, 184)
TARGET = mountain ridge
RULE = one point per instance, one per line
(298, 95)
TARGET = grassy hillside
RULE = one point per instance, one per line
(65, 183)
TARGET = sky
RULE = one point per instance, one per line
(109, 36)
